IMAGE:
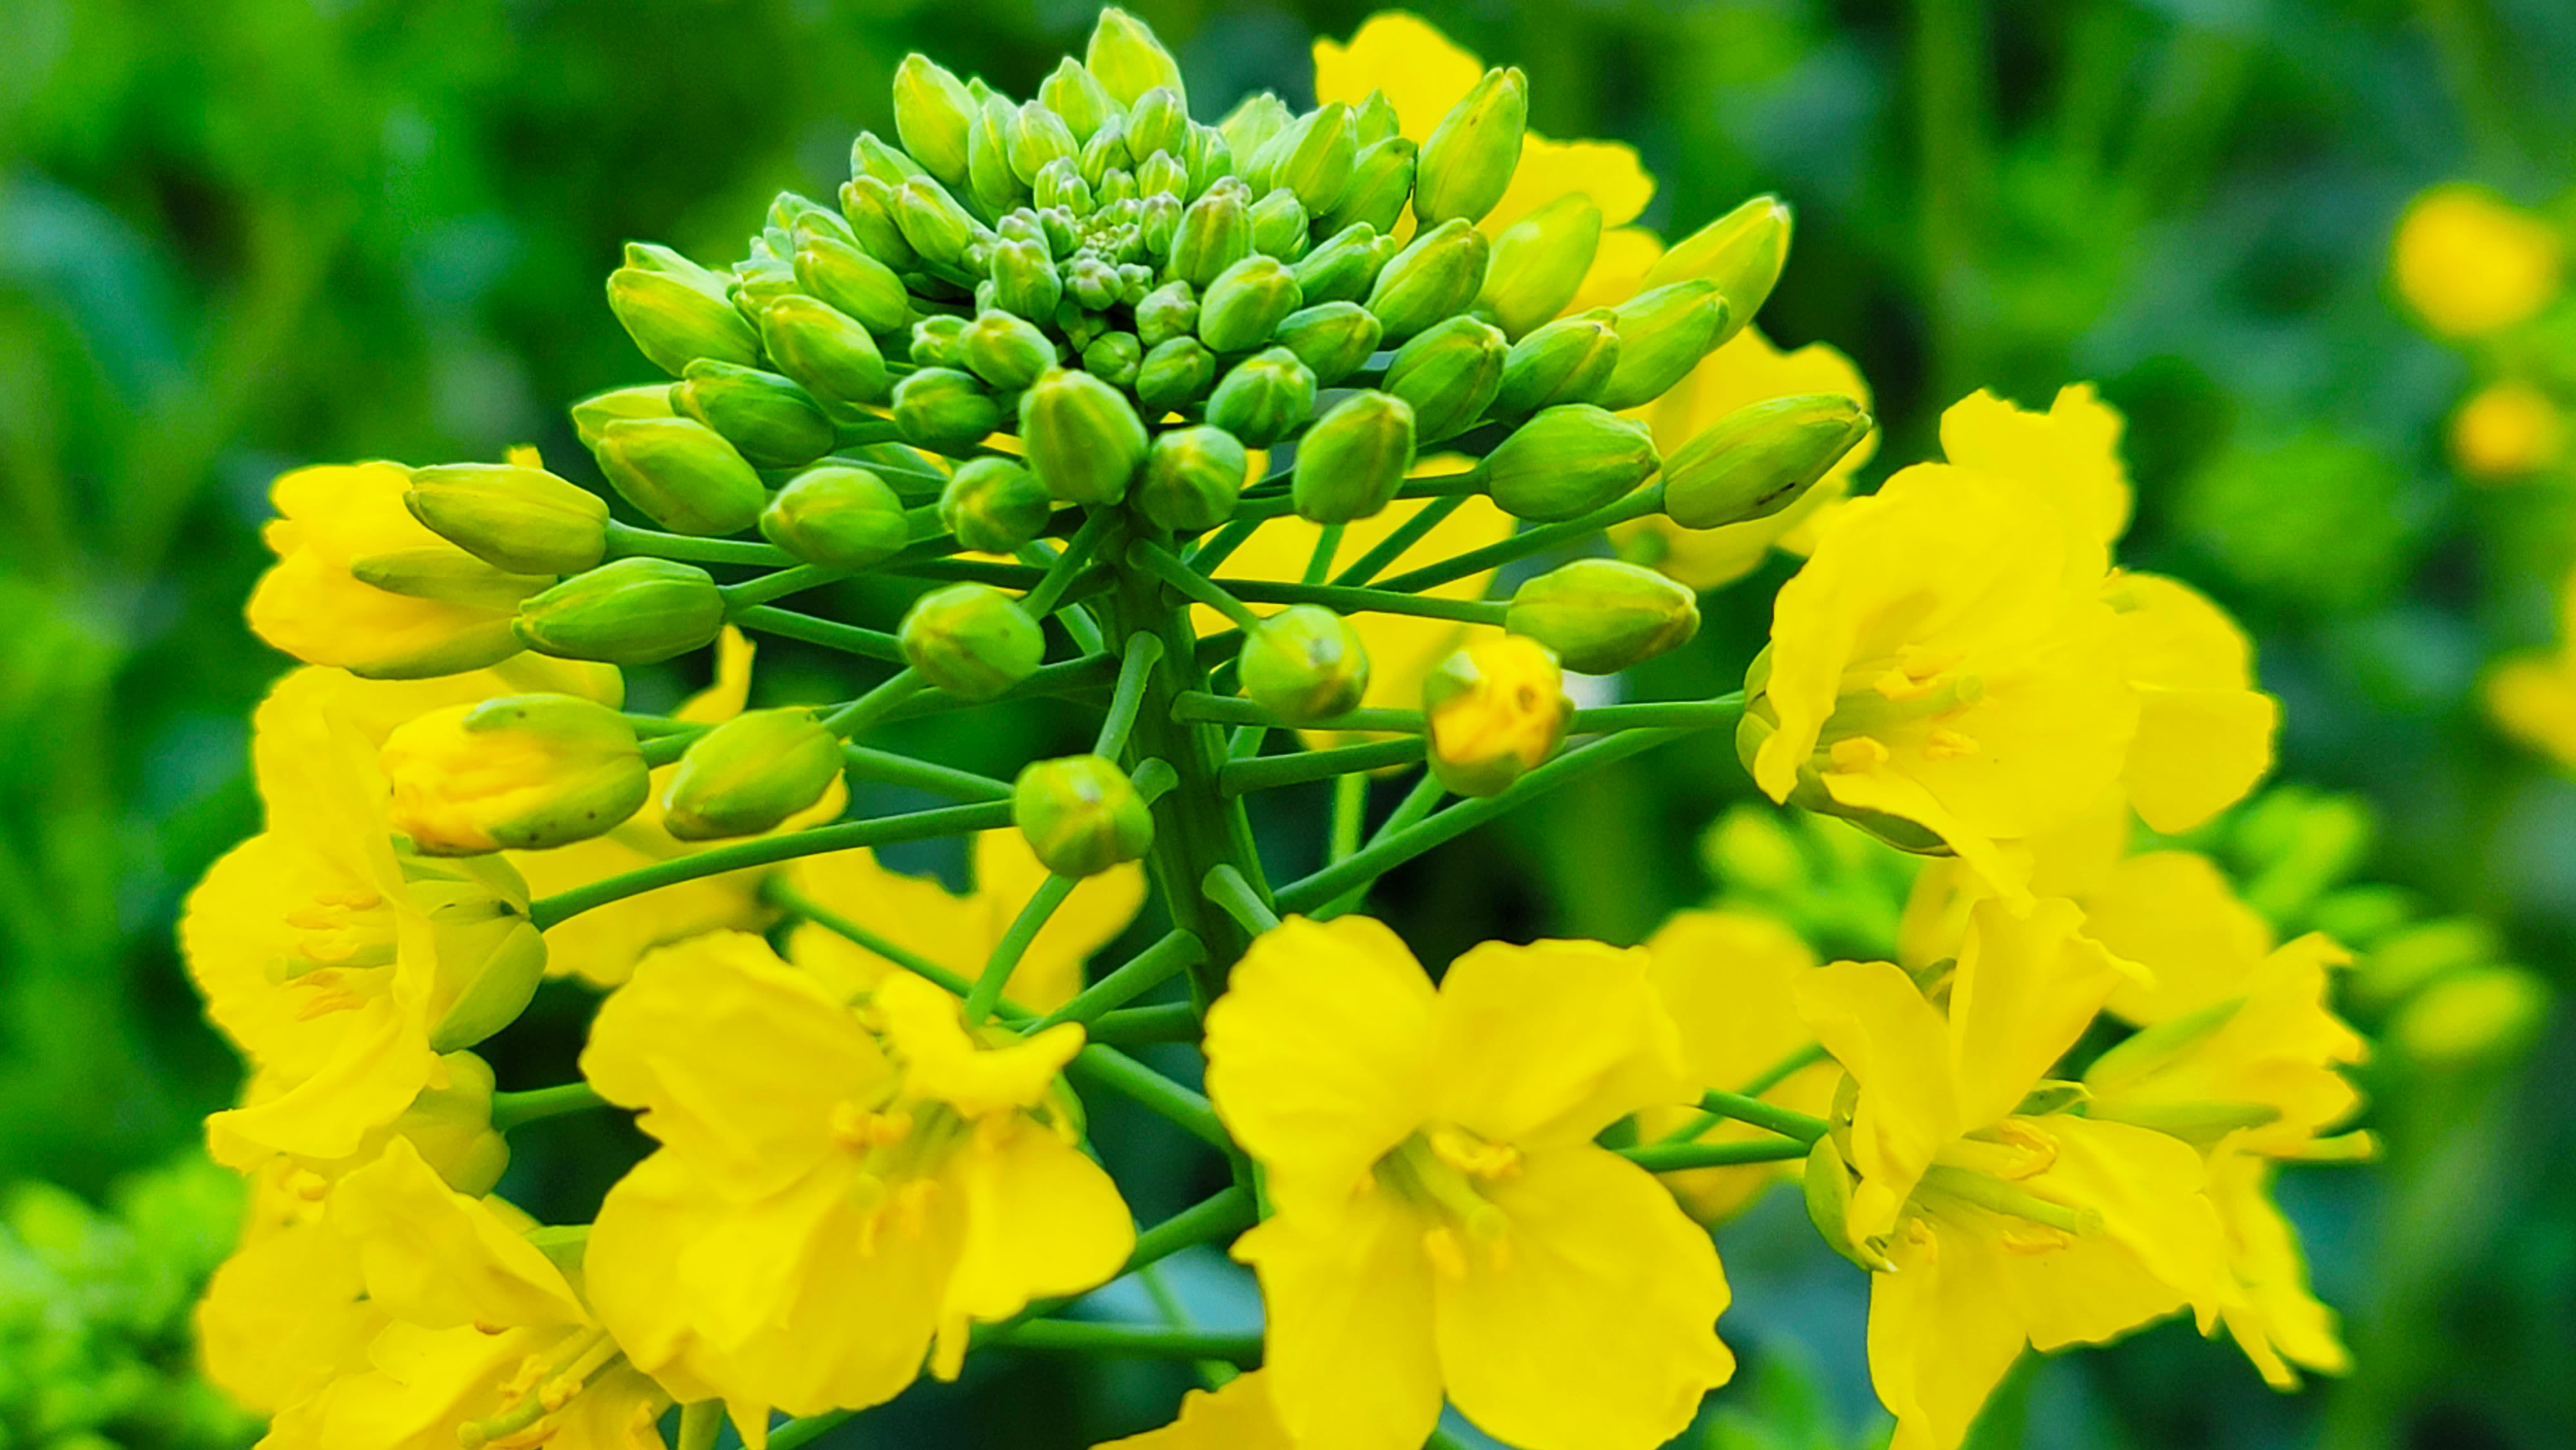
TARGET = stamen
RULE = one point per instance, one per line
(1857, 754)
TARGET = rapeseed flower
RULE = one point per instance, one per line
(2506, 431)
(1237, 1415)
(2471, 263)
(2532, 695)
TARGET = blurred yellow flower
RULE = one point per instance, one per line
(1445, 1223)
(1237, 1415)
(2506, 431)
(2470, 262)
(2532, 695)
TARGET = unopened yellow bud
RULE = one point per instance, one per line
(489, 958)
(971, 640)
(1600, 615)
(452, 1125)
(627, 612)
(1215, 232)
(1567, 361)
(1246, 304)
(1305, 664)
(1175, 373)
(827, 352)
(1341, 270)
(1539, 263)
(1741, 252)
(1468, 163)
(931, 109)
(1317, 158)
(1081, 815)
(1568, 461)
(837, 516)
(683, 474)
(1075, 95)
(524, 520)
(1494, 710)
(521, 772)
(1760, 459)
(1381, 183)
(1333, 339)
(750, 773)
(1006, 351)
(943, 408)
(1433, 279)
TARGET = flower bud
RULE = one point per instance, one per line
(759, 282)
(1332, 340)
(1169, 311)
(524, 520)
(1381, 183)
(1105, 152)
(767, 418)
(1264, 398)
(971, 640)
(942, 408)
(626, 612)
(1211, 159)
(1741, 252)
(1081, 815)
(1662, 335)
(1006, 351)
(1304, 664)
(837, 516)
(994, 506)
(1092, 283)
(1566, 361)
(1061, 187)
(1127, 60)
(991, 183)
(596, 412)
(1431, 280)
(750, 773)
(931, 114)
(1279, 227)
(1215, 233)
(826, 351)
(675, 322)
(1113, 357)
(1158, 124)
(934, 342)
(1084, 439)
(1035, 137)
(1073, 94)
(1600, 615)
(521, 772)
(452, 1126)
(1828, 1184)
(1321, 157)
(867, 204)
(1760, 459)
(1468, 162)
(1162, 174)
(682, 474)
(1450, 375)
(1341, 269)
(1539, 263)
(1253, 121)
(1192, 478)
(1568, 461)
(1352, 461)
(1493, 711)
(1175, 373)
(870, 156)
(934, 225)
(1246, 304)
(854, 282)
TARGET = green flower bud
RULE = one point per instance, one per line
(1332, 340)
(591, 414)
(1341, 269)
(636, 611)
(853, 282)
(1211, 159)
(1600, 615)
(1828, 1185)
(1760, 459)
(1352, 461)
(1468, 163)
(935, 341)
(1320, 159)
(1567, 461)
(654, 257)
(758, 283)
(1374, 119)
(1071, 92)
(1435, 278)
(1539, 263)
(675, 322)
(1192, 478)
(868, 205)
(1162, 174)
(1084, 439)
(991, 183)
(837, 516)
(770, 420)
(1567, 361)
(449, 576)
(1449, 375)
(1159, 122)
(931, 114)
(933, 224)
(1215, 233)
(1113, 357)
(1061, 185)
(1105, 152)
(1253, 121)
(889, 164)
(826, 351)
(1081, 815)
(521, 773)
(1175, 373)
(1092, 283)
(682, 474)
(1304, 664)
(1279, 226)
(1381, 183)
(1493, 711)
(1741, 252)
(1127, 60)
(1169, 311)
(941, 408)
(750, 773)
(1006, 351)
(994, 506)
(1662, 335)
(1264, 398)
(1035, 137)
(971, 640)
(1246, 303)
(524, 520)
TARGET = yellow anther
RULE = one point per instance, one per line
(308, 1185)
(2039, 1149)
(1944, 744)
(324, 1003)
(1448, 1258)
(1857, 753)
(1474, 1156)
(2032, 1238)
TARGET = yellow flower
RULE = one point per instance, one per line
(2532, 695)
(829, 1202)
(2469, 262)
(2272, 1314)
(1747, 370)
(1494, 710)
(1445, 1221)
(288, 1312)
(1235, 1416)
(1729, 979)
(2506, 431)
(361, 584)
(486, 1340)
(960, 932)
(1993, 1229)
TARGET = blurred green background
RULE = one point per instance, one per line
(241, 235)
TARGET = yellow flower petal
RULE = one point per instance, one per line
(2071, 453)
(1349, 1349)
(2025, 988)
(1421, 70)
(434, 1257)
(1606, 171)
(1940, 1337)
(1041, 1220)
(2158, 1249)
(2273, 1316)
(2204, 733)
(1877, 1025)
(1547, 1044)
(2469, 262)
(924, 1026)
(1236, 1415)
(2174, 913)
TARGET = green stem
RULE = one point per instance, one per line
(1075, 557)
(1177, 952)
(872, 644)
(1350, 809)
(1269, 772)
(1787, 1122)
(1226, 887)
(779, 585)
(884, 767)
(1417, 804)
(1159, 562)
(873, 706)
(1405, 535)
(510, 1110)
(1674, 1157)
(1346, 600)
(1220, 546)
(699, 1423)
(1188, 1110)
(1328, 542)
(1170, 1022)
(1135, 669)
(1519, 546)
(1771, 1077)
(1228, 710)
(972, 571)
(1133, 1341)
(1070, 679)
(625, 540)
(1015, 944)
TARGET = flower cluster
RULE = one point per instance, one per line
(1099, 379)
